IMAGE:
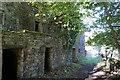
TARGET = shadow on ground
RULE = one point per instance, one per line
(82, 72)
(99, 73)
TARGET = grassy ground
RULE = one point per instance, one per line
(89, 59)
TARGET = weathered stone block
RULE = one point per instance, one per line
(31, 60)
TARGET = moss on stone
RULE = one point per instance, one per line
(27, 32)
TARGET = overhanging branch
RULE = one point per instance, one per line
(111, 27)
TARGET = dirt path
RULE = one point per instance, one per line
(84, 69)
(82, 72)
(70, 72)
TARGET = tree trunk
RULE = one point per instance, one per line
(111, 27)
(119, 51)
(40, 19)
(119, 54)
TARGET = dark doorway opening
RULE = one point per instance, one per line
(48, 60)
(9, 67)
(1, 18)
(79, 50)
(73, 55)
(36, 26)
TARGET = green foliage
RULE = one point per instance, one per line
(59, 12)
(88, 59)
(94, 60)
(57, 39)
(66, 14)
(62, 13)
(103, 38)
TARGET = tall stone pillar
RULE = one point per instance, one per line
(1, 21)
(118, 54)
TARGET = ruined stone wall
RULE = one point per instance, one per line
(18, 16)
(80, 45)
(32, 55)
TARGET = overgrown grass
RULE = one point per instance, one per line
(89, 59)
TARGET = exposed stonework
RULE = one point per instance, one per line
(80, 45)
(30, 47)
(16, 16)
(31, 57)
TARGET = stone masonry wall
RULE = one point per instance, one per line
(32, 54)
(80, 45)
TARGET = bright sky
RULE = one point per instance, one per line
(88, 21)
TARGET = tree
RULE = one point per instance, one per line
(66, 14)
(111, 27)
(57, 12)
(108, 18)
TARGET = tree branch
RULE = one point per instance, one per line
(111, 27)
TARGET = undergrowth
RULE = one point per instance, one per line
(88, 59)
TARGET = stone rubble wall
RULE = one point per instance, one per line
(33, 47)
(80, 45)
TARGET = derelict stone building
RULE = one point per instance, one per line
(27, 53)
